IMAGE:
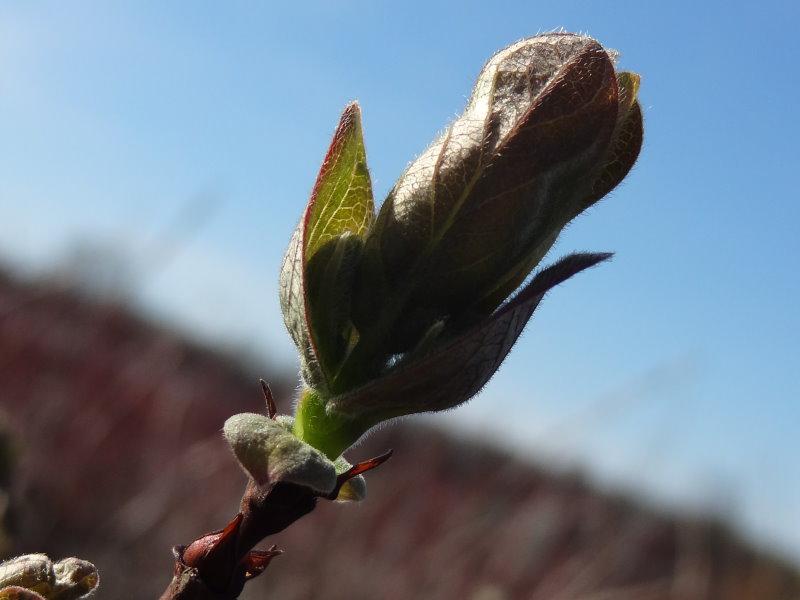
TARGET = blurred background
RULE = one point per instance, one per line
(641, 440)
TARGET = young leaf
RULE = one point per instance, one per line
(324, 246)
(626, 141)
(329, 278)
(293, 306)
(341, 201)
(488, 197)
(456, 370)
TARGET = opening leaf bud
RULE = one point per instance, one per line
(414, 310)
(35, 576)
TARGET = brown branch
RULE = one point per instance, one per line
(217, 565)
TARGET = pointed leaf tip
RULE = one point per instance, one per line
(341, 200)
(559, 272)
(341, 209)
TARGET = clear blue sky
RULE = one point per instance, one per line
(673, 370)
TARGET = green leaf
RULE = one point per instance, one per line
(329, 275)
(341, 201)
(320, 262)
(456, 370)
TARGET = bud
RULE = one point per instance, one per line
(35, 576)
(353, 489)
(476, 212)
(75, 578)
(31, 571)
(415, 309)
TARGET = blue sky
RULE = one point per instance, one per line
(672, 371)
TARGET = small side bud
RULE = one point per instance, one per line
(31, 571)
(269, 453)
(356, 491)
(257, 561)
(75, 578)
(352, 490)
(35, 577)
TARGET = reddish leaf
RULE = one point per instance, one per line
(457, 370)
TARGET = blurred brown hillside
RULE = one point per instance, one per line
(116, 456)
